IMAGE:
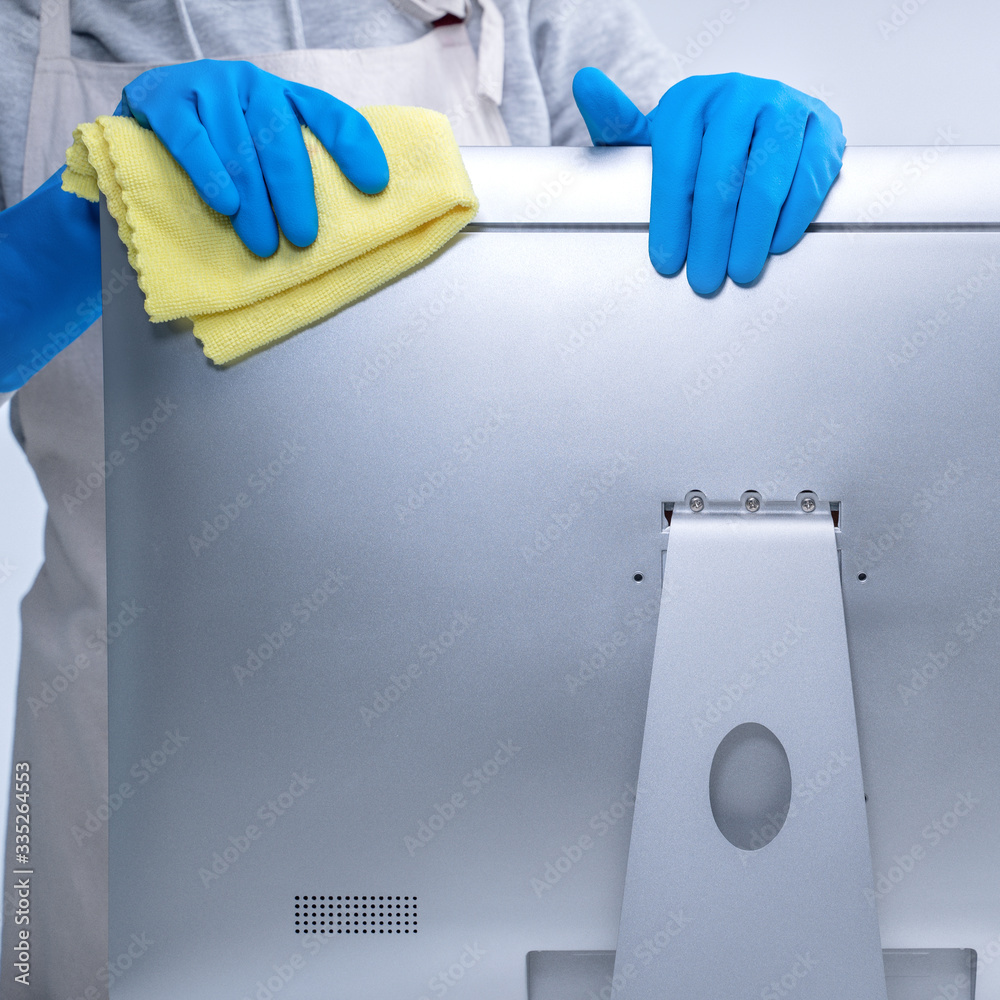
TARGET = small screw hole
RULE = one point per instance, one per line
(637, 578)
(862, 577)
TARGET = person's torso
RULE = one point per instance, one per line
(149, 32)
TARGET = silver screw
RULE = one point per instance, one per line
(697, 504)
(752, 504)
(808, 504)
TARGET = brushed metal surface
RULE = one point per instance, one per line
(911, 974)
(455, 482)
(754, 629)
(878, 185)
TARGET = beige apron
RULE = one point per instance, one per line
(61, 723)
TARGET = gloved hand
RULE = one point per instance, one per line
(50, 259)
(740, 167)
(235, 130)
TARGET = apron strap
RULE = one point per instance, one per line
(54, 30)
(491, 53)
(55, 33)
(489, 83)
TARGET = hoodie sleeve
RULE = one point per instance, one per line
(614, 36)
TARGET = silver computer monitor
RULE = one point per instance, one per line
(382, 716)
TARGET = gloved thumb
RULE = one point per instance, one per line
(611, 118)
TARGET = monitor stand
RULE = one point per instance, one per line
(910, 974)
(749, 862)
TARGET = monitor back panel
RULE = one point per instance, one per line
(376, 709)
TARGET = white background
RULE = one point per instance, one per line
(938, 70)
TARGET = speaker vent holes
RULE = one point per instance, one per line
(355, 914)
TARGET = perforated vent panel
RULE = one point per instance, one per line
(355, 914)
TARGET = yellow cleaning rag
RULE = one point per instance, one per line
(190, 263)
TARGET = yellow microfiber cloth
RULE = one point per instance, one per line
(191, 264)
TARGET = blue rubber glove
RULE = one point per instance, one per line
(50, 259)
(234, 129)
(740, 168)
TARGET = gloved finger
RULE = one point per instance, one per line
(774, 155)
(818, 166)
(611, 118)
(181, 131)
(676, 132)
(229, 133)
(724, 152)
(285, 164)
(346, 135)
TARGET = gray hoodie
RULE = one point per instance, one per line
(547, 41)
